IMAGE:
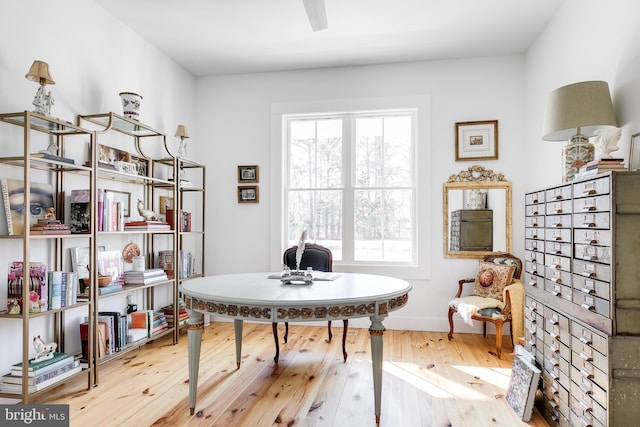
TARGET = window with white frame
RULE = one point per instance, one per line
(350, 181)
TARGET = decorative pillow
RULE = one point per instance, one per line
(491, 279)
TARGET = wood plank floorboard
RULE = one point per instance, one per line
(427, 381)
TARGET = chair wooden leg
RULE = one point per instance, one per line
(286, 331)
(499, 339)
(344, 339)
(274, 326)
(329, 330)
(451, 311)
(484, 329)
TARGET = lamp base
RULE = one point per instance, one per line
(577, 153)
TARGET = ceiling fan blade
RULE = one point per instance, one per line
(316, 13)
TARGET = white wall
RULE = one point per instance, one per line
(233, 113)
(587, 40)
(92, 58)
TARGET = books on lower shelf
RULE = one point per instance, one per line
(17, 388)
(523, 384)
(15, 377)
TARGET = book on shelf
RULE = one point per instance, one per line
(111, 288)
(523, 384)
(17, 370)
(34, 366)
(48, 156)
(50, 232)
(41, 197)
(136, 334)
(146, 225)
(38, 286)
(13, 378)
(80, 206)
(141, 319)
(146, 277)
(17, 388)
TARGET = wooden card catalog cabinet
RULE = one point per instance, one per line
(588, 288)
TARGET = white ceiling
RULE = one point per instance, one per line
(215, 37)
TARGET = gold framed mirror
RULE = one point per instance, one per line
(476, 213)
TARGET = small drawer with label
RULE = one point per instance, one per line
(558, 221)
(534, 198)
(592, 270)
(593, 253)
(557, 235)
(592, 204)
(591, 220)
(592, 187)
(557, 262)
(559, 207)
(559, 193)
(534, 221)
(558, 248)
(583, 335)
(592, 303)
(592, 237)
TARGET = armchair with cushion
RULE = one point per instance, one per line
(319, 258)
(497, 297)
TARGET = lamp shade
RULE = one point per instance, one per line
(578, 108)
(39, 72)
(181, 132)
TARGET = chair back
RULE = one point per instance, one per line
(318, 257)
(506, 259)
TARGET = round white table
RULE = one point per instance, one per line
(256, 297)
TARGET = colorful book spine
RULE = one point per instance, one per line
(55, 289)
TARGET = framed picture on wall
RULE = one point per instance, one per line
(248, 174)
(634, 154)
(477, 140)
(248, 194)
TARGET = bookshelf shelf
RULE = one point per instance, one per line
(24, 164)
(130, 139)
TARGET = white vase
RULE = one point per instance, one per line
(131, 104)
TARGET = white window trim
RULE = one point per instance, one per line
(277, 245)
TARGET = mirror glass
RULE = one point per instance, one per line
(477, 214)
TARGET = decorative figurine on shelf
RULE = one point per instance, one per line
(44, 351)
(13, 306)
(50, 214)
(293, 277)
(606, 142)
(147, 214)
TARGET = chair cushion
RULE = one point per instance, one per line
(491, 279)
(473, 305)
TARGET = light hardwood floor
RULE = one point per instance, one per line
(427, 381)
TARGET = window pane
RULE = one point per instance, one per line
(383, 151)
(320, 213)
(315, 154)
(383, 225)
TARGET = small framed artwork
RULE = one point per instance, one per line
(634, 154)
(165, 203)
(477, 140)
(108, 157)
(248, 174)
(140, 164)
(124, 198)
(248, 194)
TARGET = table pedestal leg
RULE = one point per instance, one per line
(237, 324)
(376, 330)
(195, 326)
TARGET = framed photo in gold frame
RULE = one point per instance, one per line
(248, 194)
(477, 140)
(248, 174)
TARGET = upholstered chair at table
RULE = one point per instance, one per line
(319, 258)
(497, 297)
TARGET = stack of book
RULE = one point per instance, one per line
(144, 277)
(159, 323)
(183, 316)
(49, 226)
(147, 225)
(40, 374)
(600, 166)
